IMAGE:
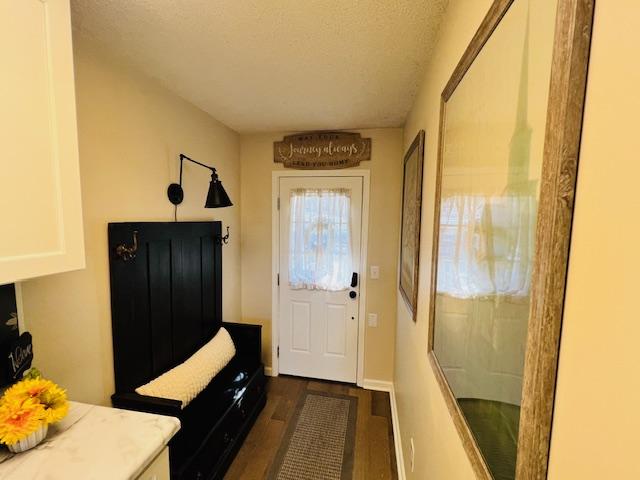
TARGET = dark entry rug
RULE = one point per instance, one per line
(319, 442)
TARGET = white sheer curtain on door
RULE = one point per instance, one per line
(320, 239)
(486, 245)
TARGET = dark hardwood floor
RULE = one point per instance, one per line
(374, 449)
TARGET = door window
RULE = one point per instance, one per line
(320, 256)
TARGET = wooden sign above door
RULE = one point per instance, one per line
(322, 150)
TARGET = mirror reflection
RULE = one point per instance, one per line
(491, 163)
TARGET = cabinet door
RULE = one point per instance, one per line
(40, 203)
(159, 468)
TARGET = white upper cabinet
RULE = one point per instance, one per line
(40, 204)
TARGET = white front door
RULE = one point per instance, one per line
(319, 261)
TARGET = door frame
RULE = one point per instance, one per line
(275, 257)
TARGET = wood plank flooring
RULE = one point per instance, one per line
(374, 450)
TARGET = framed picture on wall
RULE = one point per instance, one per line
(410, 227)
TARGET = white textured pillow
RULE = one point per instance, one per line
(185, 381)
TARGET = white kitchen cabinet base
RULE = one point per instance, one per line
(159, 469)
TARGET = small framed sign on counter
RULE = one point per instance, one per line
(8, 330)
(19, 357)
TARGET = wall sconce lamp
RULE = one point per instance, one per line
(216, 197)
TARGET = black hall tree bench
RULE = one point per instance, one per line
(166, 303)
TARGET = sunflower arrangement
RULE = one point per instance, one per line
(28, 405)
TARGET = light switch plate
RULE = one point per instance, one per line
(375, 272)
(373, 319)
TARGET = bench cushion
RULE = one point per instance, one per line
(185, 381)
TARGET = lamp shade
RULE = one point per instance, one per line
(217, 196)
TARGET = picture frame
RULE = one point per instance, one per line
(410, 224)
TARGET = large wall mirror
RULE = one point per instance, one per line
(509, 137)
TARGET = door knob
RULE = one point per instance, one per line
(352, 294)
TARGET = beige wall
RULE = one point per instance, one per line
(130, 132)
(422, 412)
(595, 420)
(384, 220)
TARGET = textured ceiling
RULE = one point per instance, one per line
(266, 65)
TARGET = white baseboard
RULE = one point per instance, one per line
(268, 372)
(397, 439)
(377, 385)
(382, 386)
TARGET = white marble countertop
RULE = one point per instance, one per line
(94, 443)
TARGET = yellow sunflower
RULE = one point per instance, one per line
(19, 419)
(28, 388)
(54, 400)
(51, 396)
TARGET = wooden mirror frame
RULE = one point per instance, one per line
(569, 65)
